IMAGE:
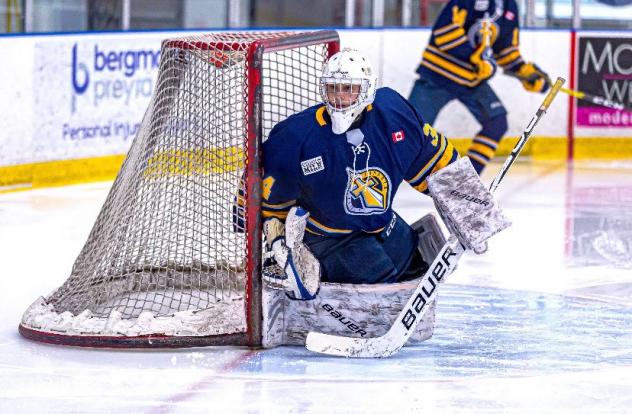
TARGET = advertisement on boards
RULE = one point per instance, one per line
(91, 92)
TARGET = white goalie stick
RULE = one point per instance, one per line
(426, 291)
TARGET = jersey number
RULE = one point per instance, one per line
(429, 130)
(266, 187)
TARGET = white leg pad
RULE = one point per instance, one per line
(353, 310)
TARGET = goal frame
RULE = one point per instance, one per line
(252, 337)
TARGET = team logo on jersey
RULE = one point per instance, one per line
(368, 191)
(312, 165)
(398, 136)
(474, 32)
(509, 15)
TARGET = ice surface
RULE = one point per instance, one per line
(542, 323)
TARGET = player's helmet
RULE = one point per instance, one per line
(347, 86)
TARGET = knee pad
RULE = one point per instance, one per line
(431, 237)
(430, 240)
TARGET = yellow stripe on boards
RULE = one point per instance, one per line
(85, 170)
(202, 161)
(58, 173)
(611, 148)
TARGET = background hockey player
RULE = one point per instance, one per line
(469, 39)
(342, 162)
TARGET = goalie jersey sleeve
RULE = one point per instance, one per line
(347, 182)
(280, 185)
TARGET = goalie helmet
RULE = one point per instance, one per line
(347, 86)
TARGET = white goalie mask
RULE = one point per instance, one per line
(347, 86)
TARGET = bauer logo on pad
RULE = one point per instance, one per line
(312, 165)
(398, 136)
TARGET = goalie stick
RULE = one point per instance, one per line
(426, 291)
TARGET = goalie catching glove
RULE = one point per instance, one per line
(466, 206)
(288, 263)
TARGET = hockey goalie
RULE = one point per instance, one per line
(162, 266)
(338, 258)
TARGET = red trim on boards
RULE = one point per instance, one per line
(571, 100)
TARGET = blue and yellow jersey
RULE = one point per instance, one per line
(456, 35)
(347, 182)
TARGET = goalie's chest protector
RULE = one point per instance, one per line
(347, 182)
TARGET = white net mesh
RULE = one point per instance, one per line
(164, 243)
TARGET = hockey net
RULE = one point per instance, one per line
(174, 258)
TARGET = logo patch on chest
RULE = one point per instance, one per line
(312, 165)
(368, 191)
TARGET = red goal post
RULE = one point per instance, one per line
(168, 262)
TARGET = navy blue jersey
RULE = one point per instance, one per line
(455, 36)
(347, 182)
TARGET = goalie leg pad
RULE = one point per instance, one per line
(466, 206)
(362, 311)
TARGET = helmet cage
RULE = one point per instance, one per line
(344, 116)
(360, 98)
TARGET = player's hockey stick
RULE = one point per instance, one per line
(426, 291)
(597, 100)
(585, 96)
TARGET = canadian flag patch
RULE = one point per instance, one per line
(509, 15)
(398, 136)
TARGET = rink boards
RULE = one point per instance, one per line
(76, 100)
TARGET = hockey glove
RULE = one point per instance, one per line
(288, 263)
(466, 206)
(533, 78)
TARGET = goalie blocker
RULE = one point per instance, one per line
(466, 206)
(352, 310)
